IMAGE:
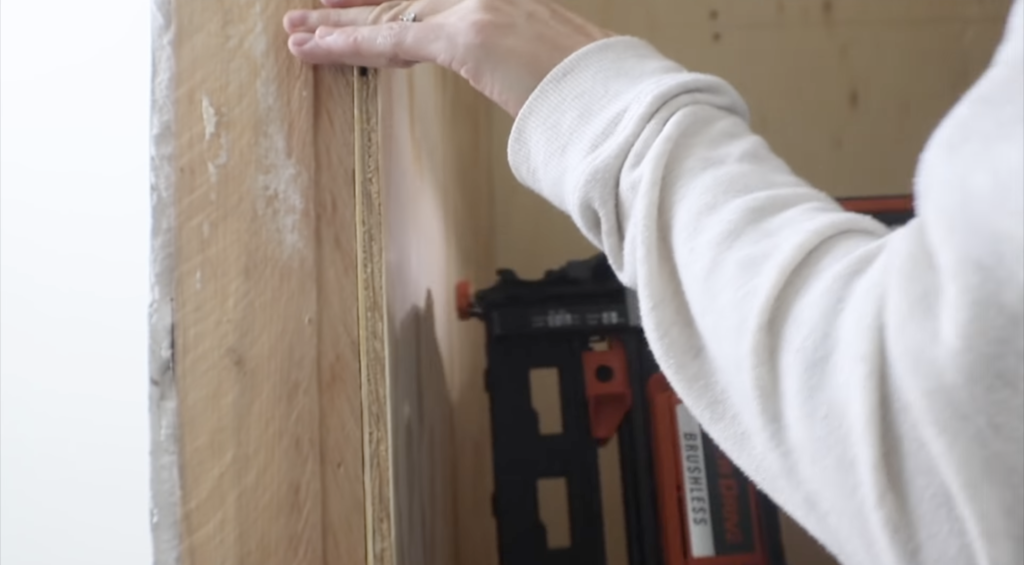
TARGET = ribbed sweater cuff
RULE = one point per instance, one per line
(559, 117)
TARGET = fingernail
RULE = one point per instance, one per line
(295, 20)
(300, 40)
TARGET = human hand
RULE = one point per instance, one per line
(504, 49)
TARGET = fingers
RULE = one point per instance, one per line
(351, 15)
(350, 3)
(298, 21)
(391, 44)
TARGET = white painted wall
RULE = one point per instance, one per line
(74, 243)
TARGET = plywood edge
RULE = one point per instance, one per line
(341, 413)
(373, 354)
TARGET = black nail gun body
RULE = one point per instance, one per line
(685, 502)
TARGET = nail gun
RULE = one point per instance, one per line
(685, 503)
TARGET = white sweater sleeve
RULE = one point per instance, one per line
(871, 382)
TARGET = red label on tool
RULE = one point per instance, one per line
(707, 507)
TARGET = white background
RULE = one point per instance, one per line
(74, 245)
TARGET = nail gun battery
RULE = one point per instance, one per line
(709, 512)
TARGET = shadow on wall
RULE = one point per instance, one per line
(424, 458)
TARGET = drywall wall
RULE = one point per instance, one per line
(74, 227)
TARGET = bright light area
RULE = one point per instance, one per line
(74, 245)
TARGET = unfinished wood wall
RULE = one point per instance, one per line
(845, 91)
(311, 383)
(256, 394)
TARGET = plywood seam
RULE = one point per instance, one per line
(372, 326)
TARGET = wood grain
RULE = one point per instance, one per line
(845, 92)
(341, 413)
(434, 172)
(265, 358)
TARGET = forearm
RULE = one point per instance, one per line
(801, 336)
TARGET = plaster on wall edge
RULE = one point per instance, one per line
(165, 482)
(282, 180)
(215, 141)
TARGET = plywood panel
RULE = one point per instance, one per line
(256, 397)
(846, 92)
(434, 174)
(340, 404)
(311, 382)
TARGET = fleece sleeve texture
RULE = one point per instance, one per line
(868, 380)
